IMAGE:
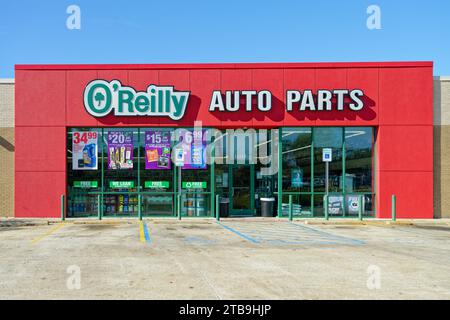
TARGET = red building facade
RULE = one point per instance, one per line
(397, 103)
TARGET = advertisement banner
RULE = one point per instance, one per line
(157, 150)
(85, 184)
(352, 204)
(296, 178)
(120, 150)
(335, 205)
(84, 150)
(156, 184)
(121, 184)
(194, 149)
(194, 185)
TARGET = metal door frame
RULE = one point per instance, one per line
(242, 212)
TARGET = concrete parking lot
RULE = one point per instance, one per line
(233, 259)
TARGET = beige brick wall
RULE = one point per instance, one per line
(6, 148)
(6, 104)
(7, 172)
(442, 147)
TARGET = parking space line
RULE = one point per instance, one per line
(329, 235)
(238, 233)
(36, 240)
(143, 232)
(146, 233)
(287, 233)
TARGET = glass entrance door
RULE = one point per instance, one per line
(242, 190)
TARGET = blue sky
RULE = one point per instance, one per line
(34, 32)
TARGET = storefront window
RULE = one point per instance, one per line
(318, 209)
(348, 178)
(195, 184)
(117, 166)
(296, 159)
(156, 171)
(358, 161)
(328, 137)
(301, 205)
(195, 173)
(265, 170)
(359, 166)
(120, 165)
(83, 171)
(221, 168)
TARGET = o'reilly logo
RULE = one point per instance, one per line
(102, 97)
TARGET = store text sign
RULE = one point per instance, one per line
(307, 100)
(102, 97)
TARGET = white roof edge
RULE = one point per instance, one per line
(442, 78)
(11, 80)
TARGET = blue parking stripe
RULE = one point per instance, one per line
(287, 233)
(146, 234)
(238, 233)
(328, 235)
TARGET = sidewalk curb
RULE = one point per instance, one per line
(25, 222)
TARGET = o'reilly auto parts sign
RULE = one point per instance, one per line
(102, 98)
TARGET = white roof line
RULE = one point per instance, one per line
(442, 78)
(12, 80)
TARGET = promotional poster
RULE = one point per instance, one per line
(297, 178)
(84, 150)
(120, 150)
(194, 149)
(157, 150)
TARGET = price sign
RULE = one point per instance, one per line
(157, 150)
(84, 150)
(194, 146)
(120, 150)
